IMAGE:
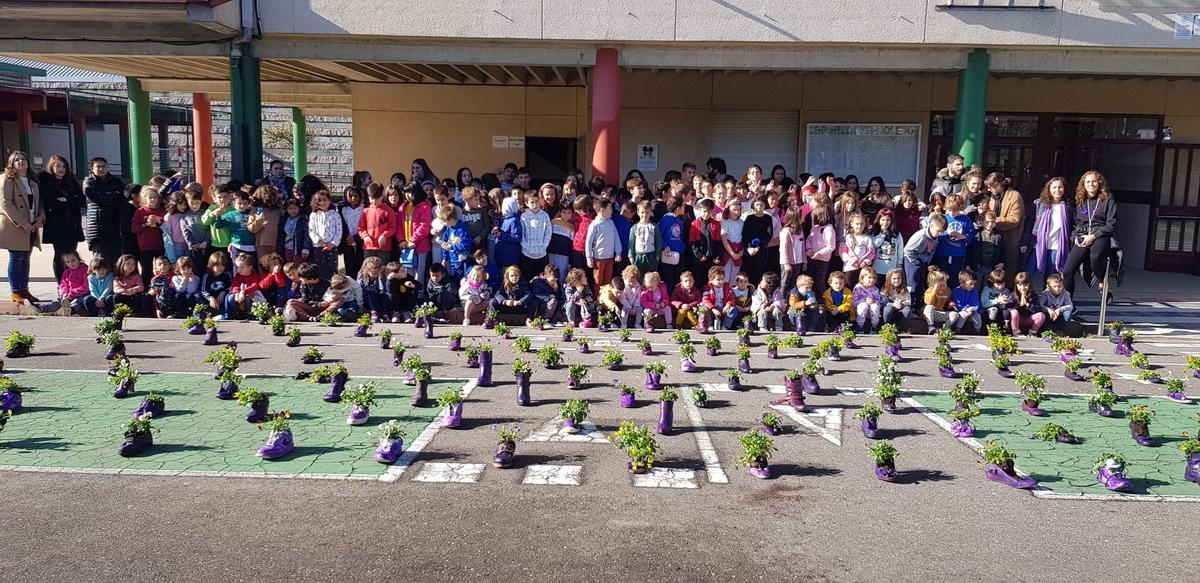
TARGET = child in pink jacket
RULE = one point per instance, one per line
(656, 300)
(72, 288)
(867, 301)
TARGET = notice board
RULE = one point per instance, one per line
(890, 150)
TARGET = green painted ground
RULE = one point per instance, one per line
(71, 420)
(1068, 468)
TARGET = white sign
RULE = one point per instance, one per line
(647, 157)
(1185, 26)
(889, 150)
(499, 141)
(516, 142)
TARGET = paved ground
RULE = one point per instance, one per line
(824, 517)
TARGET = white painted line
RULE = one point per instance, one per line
(666, 478)
(712, 464)
(553, 431)
(409, 456)
(449, 473)
(552, 475)
(248, 375)
(185, 473)
(831, 428)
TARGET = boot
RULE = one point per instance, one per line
(1113, 477)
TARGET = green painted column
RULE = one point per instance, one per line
(971, 112)
(245, 130)
(141, 157)
(299, 143)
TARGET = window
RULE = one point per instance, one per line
(1106, 128)
(995, 126)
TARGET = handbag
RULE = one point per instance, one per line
(670, 257)
(408, 258)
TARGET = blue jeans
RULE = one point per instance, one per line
(375, 301)
(18, 271)
(1050, 258)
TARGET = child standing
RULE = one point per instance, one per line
(987, 250)
(375, 228)
(475, 294)
(820, 246)
(218, 236)
(1028, 311)
(758, 229)
(602, 247)
(147, 227)
(176, 210)
(630, 300)
(585, 212)
(244, 290)
(937, 301)
(241, 240)
(441, 292)
(512, 296)
(402, 292)
(838, 300)
(216, 282)
(897, 301)
(951, 253)
(455, 243)
(792, 259)
(686, 301)
(769, 302)
(1056, 301)
(535, 236)
(888, 243)
(995, 300)
(562, 230)
(160, 288)
(293, 241)
(580, 302)
(413, 224)
(671, 229)
(195, 232)
(857, 248)
(966, 301)
(374, 286)
(704, 240)
(655, 300)
(731, 240)
(867, 302)
(919, 252)
(717, 303)
(351, 211)
(325, 233)
(508, 245)
(803, 308)
(645, 241)
(187, 287)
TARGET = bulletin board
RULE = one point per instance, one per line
(890, 150)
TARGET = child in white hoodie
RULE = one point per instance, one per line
(630, 300)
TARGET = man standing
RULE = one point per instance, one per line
(105, 195)
(949, 179)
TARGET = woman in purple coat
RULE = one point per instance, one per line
(1048, 242)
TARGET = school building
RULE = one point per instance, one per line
(1030, 88)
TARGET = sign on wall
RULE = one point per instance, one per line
(647, 157)
(889, 150)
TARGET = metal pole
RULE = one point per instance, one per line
(1104, 298)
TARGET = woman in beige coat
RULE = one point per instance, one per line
(1010, 221)
(21, 215)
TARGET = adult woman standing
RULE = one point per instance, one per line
(464, 180)
(21, 215)
(62, 197)
(1049, 241)
(1095, 223)
(1009, 208)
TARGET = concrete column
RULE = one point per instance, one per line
(971, 111)
(299, 144)
(202, 139)
(25, 131)
(245, 130)
(141, 159)
(79, 136)
(606, 116)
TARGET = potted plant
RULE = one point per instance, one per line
(607, 321)
(681, 337)
(194, 325)
(965, 392)
(733, 379)
(10, 396)
(229, 385)
(360, 399)
(120, 313)
(884, 454)
(338, 376)
(104, 326)
(391, 442)
(644, 346)
(638, 443)
(262, 311)
(1174, 391)
(472, 353)
(771, 423)
(1139, 424)
(451, 402)
(743, 357)
(154, 405)
(257, 401)
(330, 319)
(455, 341)
(489, 320)
(137, 437)
(385, 339)
(485, 365)
(687, 357)
(537, 323)
(1125, 347)
(772, 343)
(312, 355)
(808, 377)
(503, 330)
(576, 374)
(1149, 376)
(277, 325)
(1002, 362)
(1114, 331)
(654, 373)
(794, 341)
(793, 385)
(115, 341)
(421, 378)
(831, 348)
(743, 336)
(550, 356)
(398, 354)
(411, 364)
(1110, 471)
(522, 344)
(279, 437)
(612, 358)
(1057, 433)
(887, 384)
(1071, 372)
(293, 337)
(961, 424)
(362, 325)
(628, 395)
(125, 380)
(889, 335)
(945, 335)
(19, 345)
(1191, 448)
(573, 412)
(584, 345)
(999, 466)
(568, 332)
(1139, 361)
(1049, 336)
(625, 334)
(666, 409)
(945, 363)
(869, 415)
(321, 375)
(1193, 365)
(1102, 402)
(506, 446)
(226, 358)
(699, 397)
(522, 372)
(847, 335)
(210, 332)
(757, 448)
(712, 345)
(1033, 389)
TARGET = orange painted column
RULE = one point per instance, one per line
(606, 116)
(202, 139)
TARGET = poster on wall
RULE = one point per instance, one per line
(647, 158)
(889, 150)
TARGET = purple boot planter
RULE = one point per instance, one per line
(887, 472)
(584, 348)
(948, 373)
(210, 337)
(713, 352)
(1114, 478)
(135, 444)
(1123, 349)
(151, 408)
(744, 365)
(523, 389)
(770, 430)
(835, 354)
(653, 380)
(1073, 376)
(760, 470)
(573, 383)
(279, 444)
(385, 343)
(666, 416)
(115, 352)
(892, 352)
(389, 450)
(962, 429)
(1102, 410)
(455, 344)
(570, 426)
(809, 385)
(1191, 472)
(1032, 409)
(647, 351)
(228, 388)
(337, 384)
(258, 411)
(453, 417)
(870, 428)
(733, 383)
(360, 331)
(124, 389)
(772, 353)
(485, 370)
(1004, 372)
(1177, 397)
(1066, 356)
(420, 394)
(687, 365)
(1008, 476)
(196, 329)
(473, 361)
(888, 404)
(358, 415)
(505, 452)
(628, 400)
(614, 367)
(1141, 433)
(429, 327)
(10, 401)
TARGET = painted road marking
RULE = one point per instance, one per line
(449, 473)
(712, 464)
(830, 428)
(666, 478)
(553, 431)
(409, 456)
(552, 475)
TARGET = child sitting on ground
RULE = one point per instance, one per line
(769, 302)
(838, 301)
(244, 291)
(310, 301)
(579, 300)
(402, 292)
(867, 302)
(72, 287)
(1056, 301)
(100, 288)
(655, 300)
(127, 283)
(743, 298)
(373, 284)
(440, 291)
(512, 295)
(1028, 310)
(548, 293)
(686, 301)
(186, 284)
(160, 288)
(274, 284)
(995, 300)
(631, 298)
(717, 303)
(803, 308)
(216, 282)
(475, 294)
(938, 305)
(897, 299)
(342, 298)
(609, 298)
(966, 301)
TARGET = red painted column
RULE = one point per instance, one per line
(25, 130)
(606, 116)
(202, 139)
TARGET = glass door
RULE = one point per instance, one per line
(1176, 216)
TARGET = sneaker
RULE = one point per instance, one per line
(587, 324)
(558, 324)
(466, 322)
(395, 319)
(931, 331)
(375, 317)
(220, 317)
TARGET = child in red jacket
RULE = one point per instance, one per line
(717, 302)
(245, 289)
(376, 228)
(686, 301)
(147, 227)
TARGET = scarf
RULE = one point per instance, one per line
(1043, 232)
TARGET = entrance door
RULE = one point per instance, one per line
(1176, 216)
(549, 159)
